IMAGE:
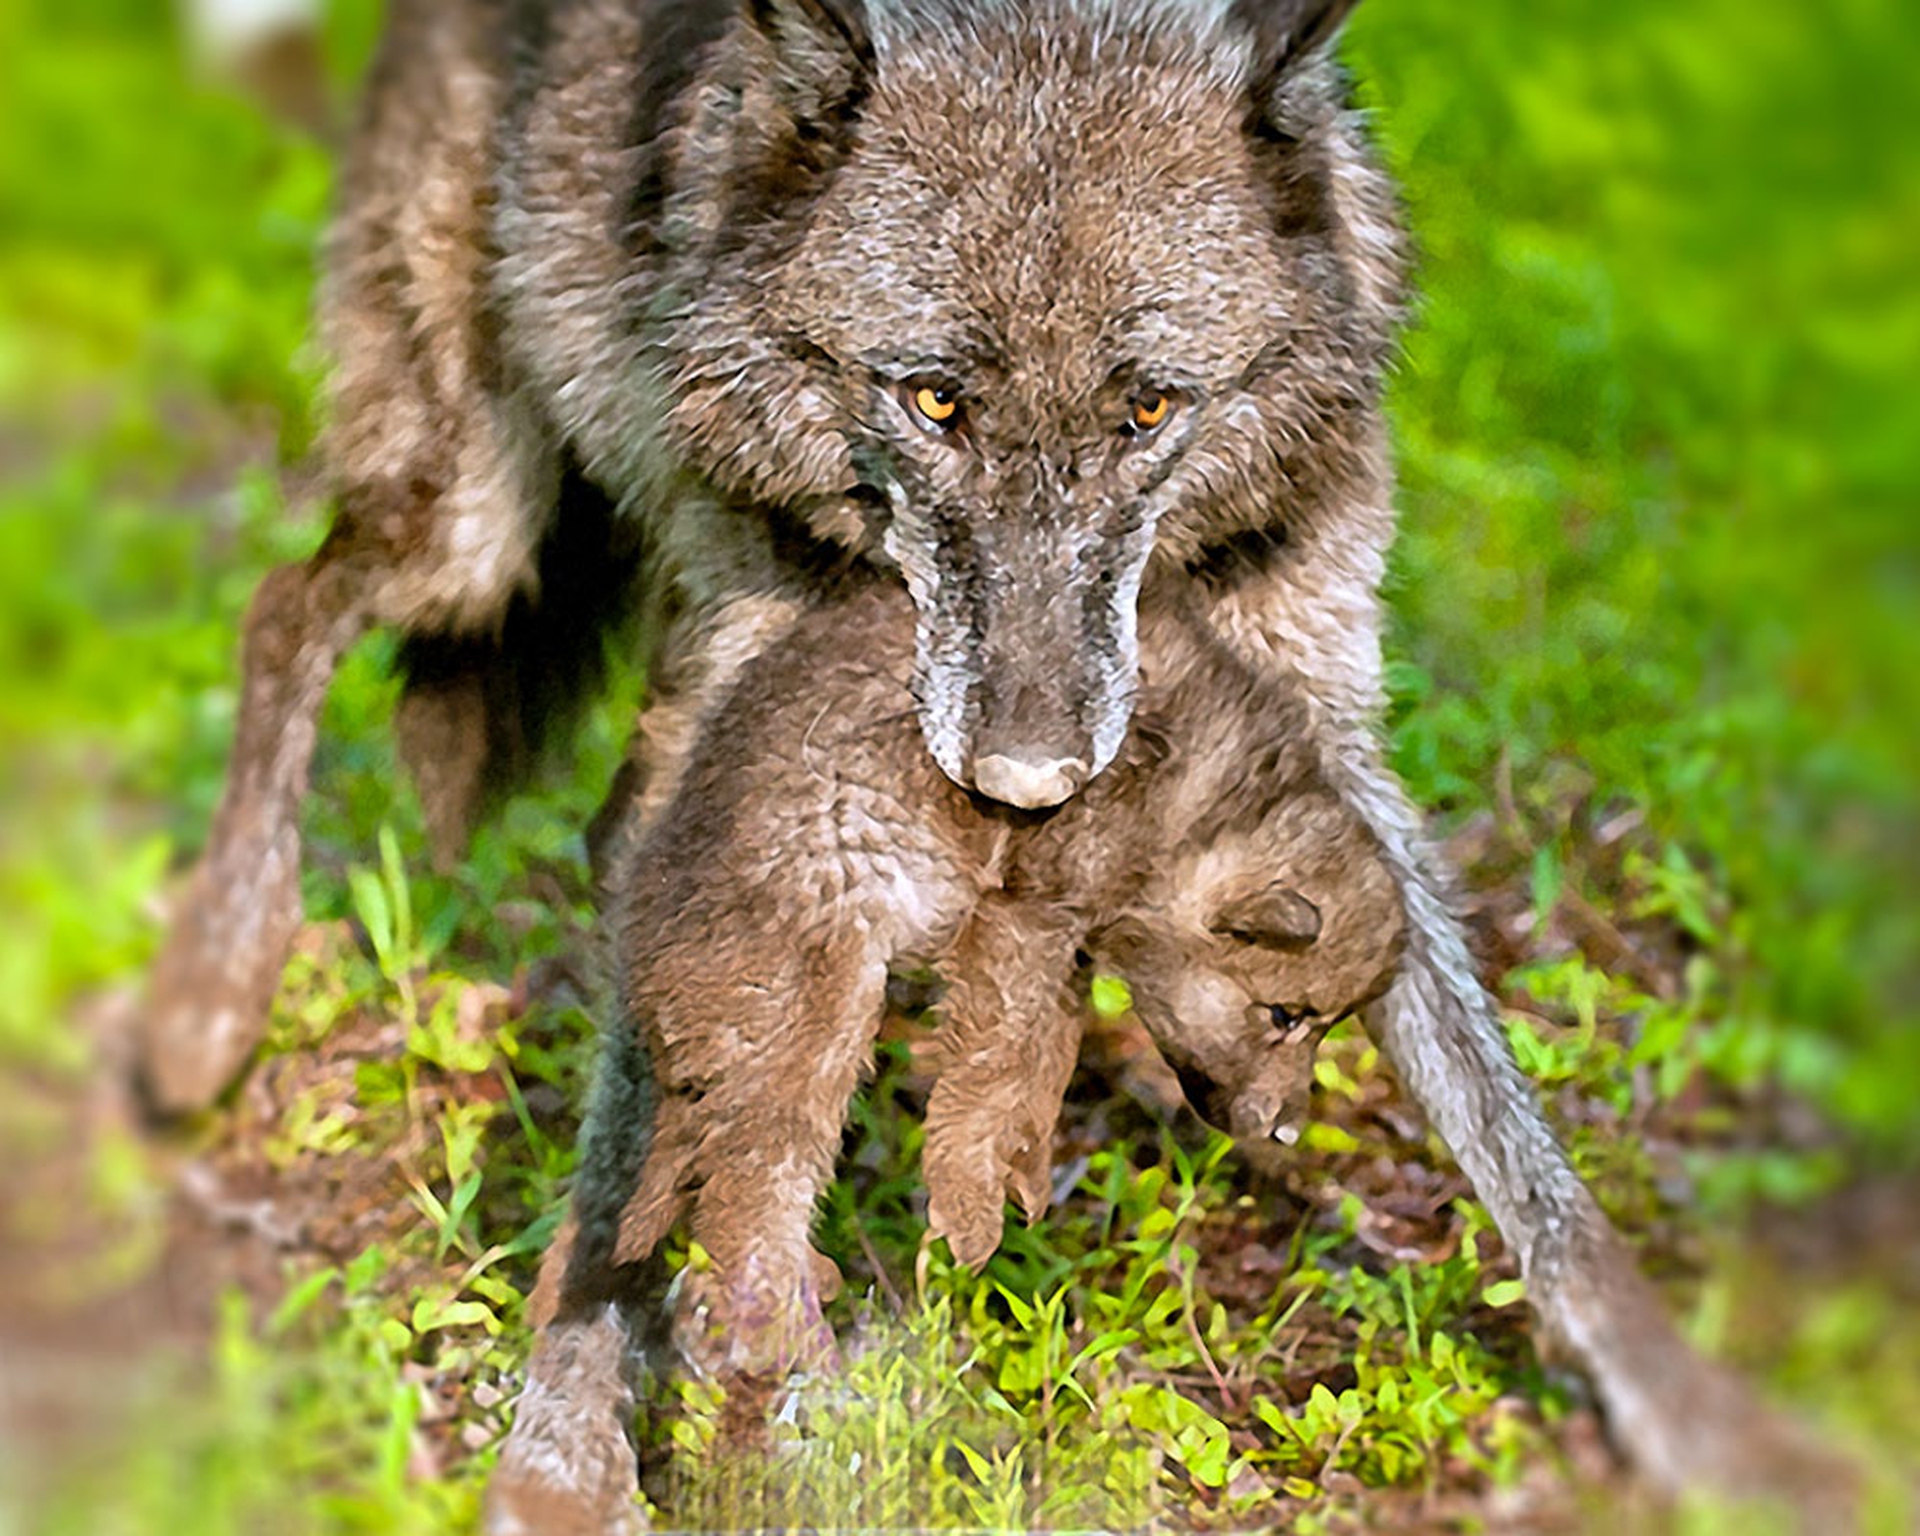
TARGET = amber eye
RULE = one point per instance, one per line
(1151, 411)
(935, 405)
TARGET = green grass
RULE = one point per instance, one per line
(1658, 445)
(1659, 454)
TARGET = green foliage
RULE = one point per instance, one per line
(1087, 1379)
(1659, 461)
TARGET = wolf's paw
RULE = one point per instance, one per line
(964, 1207)
(561, 1498)
(976, 1161)
(1709, 1430)
(214, 984)
(567, 1467)
(758, 1320)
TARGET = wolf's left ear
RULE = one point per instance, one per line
(1287, 31)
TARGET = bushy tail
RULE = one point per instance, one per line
(1683, 1421)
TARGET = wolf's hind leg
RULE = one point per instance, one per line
(496, 684)
(221, 963)
(387, 562)
(447, 484)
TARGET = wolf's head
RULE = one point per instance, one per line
(1011, 296)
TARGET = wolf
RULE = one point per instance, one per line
(1249, 913)
(666, 318)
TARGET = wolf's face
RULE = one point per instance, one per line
(1045, 285)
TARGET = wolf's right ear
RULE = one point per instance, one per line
(1287, 31)
(817, 39)
(1278, 917)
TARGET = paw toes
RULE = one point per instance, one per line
(969, 1216)
(1030, 1177)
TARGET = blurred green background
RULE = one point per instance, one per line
(1661, 455)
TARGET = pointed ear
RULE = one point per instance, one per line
(809, 32)
(1277, 918)
(1286, 31)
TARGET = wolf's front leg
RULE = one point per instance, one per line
(741, 1144)
(755, 924)
(568, 1466)
(1012, 1036)
(760, 1038)
(720, 1101)
(1682, 1419)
